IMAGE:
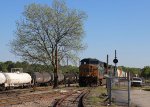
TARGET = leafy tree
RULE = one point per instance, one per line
(1, 68)
(48, 34)
(69, 68)
(12, 65)
(7, 66)
(25, 65)
(132, 70)
(146, 72)
(40, 68)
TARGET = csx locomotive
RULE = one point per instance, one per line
(91, 72)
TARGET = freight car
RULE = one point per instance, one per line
(70, 78)
(43, 78)
(2, 81)
(17, 79)
(60, 78)
(91, 72)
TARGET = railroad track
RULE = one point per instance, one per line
(15, 100)
(73, 99)
(20, 96)
(17, 92)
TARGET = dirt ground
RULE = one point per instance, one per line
(45, 100)
(141, 98)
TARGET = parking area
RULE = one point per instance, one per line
(140, 98)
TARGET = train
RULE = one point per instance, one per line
(23, 79)
(91, 72)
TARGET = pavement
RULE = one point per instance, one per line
(120, 97)
(140, 98)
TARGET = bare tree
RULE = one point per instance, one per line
(48, 34)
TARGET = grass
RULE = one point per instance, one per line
(95, 98)
(146, 88)
(119, 88)
(147, 81)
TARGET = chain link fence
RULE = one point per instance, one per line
(118, 90)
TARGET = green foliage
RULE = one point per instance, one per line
(48, 34)
(131, 70)
(146, 72)
(1, 67)
(11, 65)
(45, 30)
(69, 69)
(39, 68)
(6, 67)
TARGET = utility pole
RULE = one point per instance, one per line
(129, 87)
(107, 65)
(108, 79)
(115, 61)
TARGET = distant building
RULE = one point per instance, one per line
(121, 73)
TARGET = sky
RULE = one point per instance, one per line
(121, 25)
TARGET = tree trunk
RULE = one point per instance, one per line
(55, 78)
(56, 70)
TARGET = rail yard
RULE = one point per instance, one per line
(72, 53)
(88, 88)
(44, 97)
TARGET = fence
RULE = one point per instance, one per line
(118, 90)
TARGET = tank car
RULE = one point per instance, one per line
(91, 72)
(70, 77)
(60, 78)
(43, 78)
(2, 81)
(47, 78)
(16, 79)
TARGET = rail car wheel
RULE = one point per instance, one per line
(47, 84)
(101, 83)
(82, 84)
(2, 88)
(98, 83)
(36, 84)
(29, 86)
(11, 87)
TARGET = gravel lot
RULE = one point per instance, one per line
(141, 98)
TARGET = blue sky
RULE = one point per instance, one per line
(123, 25)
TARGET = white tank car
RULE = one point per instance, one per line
(2, 78)
(16, 79)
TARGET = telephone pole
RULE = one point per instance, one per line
(115, 61)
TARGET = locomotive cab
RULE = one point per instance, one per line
(90, 72)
